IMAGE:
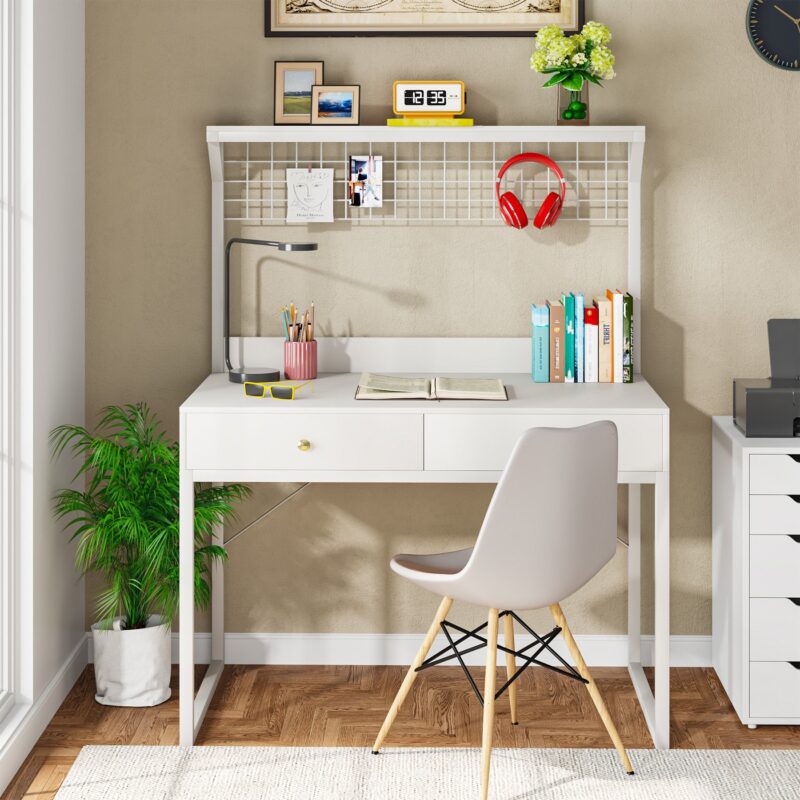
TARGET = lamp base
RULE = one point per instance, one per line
(254, 374)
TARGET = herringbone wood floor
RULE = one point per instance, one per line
(345, 706)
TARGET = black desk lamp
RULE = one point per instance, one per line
(242, 374)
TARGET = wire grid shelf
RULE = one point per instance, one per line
(429, 183)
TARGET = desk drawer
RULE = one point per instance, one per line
(485, 441)
(337, 441)
(774, 513)
(774, 629)
(774, 474)
(775, 566)
(775, 689)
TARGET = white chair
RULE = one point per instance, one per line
(550, 527)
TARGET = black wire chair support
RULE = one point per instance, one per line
(541, 643)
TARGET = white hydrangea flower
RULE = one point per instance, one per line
(596, 32)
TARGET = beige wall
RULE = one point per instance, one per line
(720, 257)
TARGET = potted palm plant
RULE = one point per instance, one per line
(125, 522)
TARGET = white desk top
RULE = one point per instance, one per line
(335, 393)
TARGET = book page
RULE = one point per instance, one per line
(469, 384)
(391, 383)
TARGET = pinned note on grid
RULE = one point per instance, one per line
(309, 195)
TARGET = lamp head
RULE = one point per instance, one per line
(296, 246)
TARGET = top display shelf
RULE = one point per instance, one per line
(383, 133)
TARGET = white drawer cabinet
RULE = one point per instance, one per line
(774, 629)
(775, 473)
(775, 691)
(774, 513)
(304, 441)
(775, 566)
(756, 573)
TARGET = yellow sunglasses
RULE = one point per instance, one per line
(276, 391)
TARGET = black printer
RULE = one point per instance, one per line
(770, 407)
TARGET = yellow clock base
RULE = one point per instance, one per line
(430, 122)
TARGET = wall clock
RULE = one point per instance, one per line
(774, 30)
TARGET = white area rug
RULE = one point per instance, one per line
(331, 773)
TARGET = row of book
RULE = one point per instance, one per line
(574, 342)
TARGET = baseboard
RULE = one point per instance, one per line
(400, 649)
(25, 724)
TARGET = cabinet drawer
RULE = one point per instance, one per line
(774, 689)
(337, 441)
(774, 513)
(485, 441)
(774, 474)
(775, 566)
(774, 630)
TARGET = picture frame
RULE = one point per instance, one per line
(428, 18)
(293, 83)
(336, 105)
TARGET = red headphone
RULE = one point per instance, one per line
(511, 209)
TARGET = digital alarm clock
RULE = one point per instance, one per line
(429, 98)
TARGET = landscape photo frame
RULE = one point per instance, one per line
(336, 105)
(293, 82)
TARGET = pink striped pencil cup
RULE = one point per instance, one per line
(300, 360)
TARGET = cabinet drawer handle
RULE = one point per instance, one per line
(795, 497)
(795, 600)
(794, 537)
(304, 445)
(795, 664)
(794, 457)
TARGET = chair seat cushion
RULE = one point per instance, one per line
(435, 564)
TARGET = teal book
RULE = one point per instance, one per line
(579, 335)
(627, 338)
(540, 327)
(568, 301)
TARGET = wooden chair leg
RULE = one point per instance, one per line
(511, 664)
(594, 692)
(488, 698)
(405, 686)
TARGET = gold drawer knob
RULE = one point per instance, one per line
(304, 445)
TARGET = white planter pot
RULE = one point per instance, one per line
(132, 668)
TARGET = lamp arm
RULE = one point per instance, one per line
(226, 318)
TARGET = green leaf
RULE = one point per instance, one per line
(125, 521)
(573, 82)
(559, 77)
(593, 79)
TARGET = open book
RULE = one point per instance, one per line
(389, 387)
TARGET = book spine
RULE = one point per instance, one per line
(568, 302)
(590, 339)
(556, 343)
(616, 336)
(579, 336)
(627, 338)
(541, 344)
(604, 359)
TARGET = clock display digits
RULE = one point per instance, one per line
(437, 97)
(414, 97)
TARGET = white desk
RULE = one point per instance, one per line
(226, 437)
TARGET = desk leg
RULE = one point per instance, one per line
(186, 563)
(635, 573)
(655, 706)
(218, 598)
(661, 656)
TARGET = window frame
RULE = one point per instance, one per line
(9, 341)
